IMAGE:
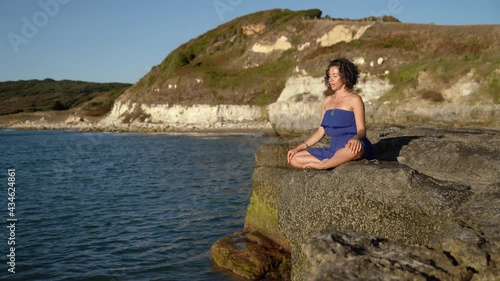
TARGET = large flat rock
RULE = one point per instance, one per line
(432, 197)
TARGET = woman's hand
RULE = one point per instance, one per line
(292, 152)
(354, 145)
(299, 147)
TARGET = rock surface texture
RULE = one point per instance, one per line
(427, 209)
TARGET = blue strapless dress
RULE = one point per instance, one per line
(340, 126)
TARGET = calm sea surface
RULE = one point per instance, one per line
(122, 206)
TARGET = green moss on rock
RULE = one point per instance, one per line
(252, 256)
(262, 212)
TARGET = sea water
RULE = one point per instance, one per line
(120, 206)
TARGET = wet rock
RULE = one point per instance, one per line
(252, 255)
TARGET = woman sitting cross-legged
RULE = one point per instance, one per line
(343, 120)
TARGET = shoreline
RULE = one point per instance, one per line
(145, 130)
(70, 121)
(232, 129)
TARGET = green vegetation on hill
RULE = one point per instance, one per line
(48, 94)
(216, 58)
(382, 19)
(192, 52)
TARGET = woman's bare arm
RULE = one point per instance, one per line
(358, 108)
(315, 137)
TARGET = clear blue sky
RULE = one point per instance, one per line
(120, 40)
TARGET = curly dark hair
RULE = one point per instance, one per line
(348, 71)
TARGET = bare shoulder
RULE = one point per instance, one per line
(356, 102)
(356, 97)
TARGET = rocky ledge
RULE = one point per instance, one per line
(427, 209)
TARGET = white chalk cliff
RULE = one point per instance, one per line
(199, 116)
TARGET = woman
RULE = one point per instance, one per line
(343, 119)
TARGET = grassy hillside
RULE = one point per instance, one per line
(218, 58)
(42, 95)
(219, 67)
